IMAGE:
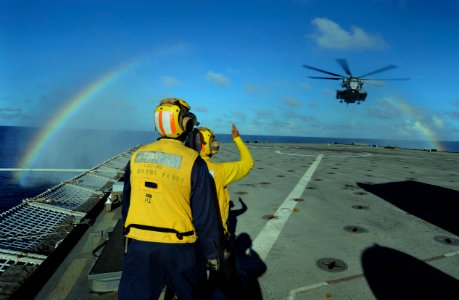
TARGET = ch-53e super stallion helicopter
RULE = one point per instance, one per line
(352, 84)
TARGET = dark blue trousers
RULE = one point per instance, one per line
(148, 267)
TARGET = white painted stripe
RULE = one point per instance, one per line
(167, 122)
(352, 155)
(257, 147)
(293, 154)
(293, 292)
(451, 254)
(297, 154)
(270, 233)
(40, 170)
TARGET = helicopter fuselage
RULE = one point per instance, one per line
(351, 96)
(352, 92)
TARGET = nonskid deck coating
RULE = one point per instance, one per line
(384, 180)
(404, 199)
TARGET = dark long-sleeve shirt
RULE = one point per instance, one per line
(202, 202)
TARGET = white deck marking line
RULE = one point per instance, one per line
(270, 233)
(40, 170)
(260, 147)
(451, 254)
(338, 156)
(293, 292)
(359, 155)
(293, 154)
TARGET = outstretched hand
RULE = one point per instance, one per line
(234, 132)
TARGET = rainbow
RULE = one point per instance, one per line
(425, 130)
(50, 130)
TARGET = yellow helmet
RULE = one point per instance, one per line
(173, 118)
(203, 140)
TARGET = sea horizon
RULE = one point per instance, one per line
(86, 148)
(450, 145)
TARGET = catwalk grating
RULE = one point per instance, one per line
(34, 229)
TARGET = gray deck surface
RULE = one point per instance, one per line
(293, 209)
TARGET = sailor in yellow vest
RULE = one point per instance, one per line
(203, 140)
(168, 209)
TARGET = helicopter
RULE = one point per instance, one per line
(352, 92)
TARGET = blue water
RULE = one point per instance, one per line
(81, 149)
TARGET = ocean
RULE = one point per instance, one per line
(84, 149)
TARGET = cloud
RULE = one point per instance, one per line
(251, 88)
(382, 110)
(307, 118)
(438, 122)
(453, 115)
(169, 81)
(200, 108)
(305, 86)
(217, 78)
(261, 113)
(293, 115)
(10, 113)
(386, 109)
(312, 104)
(291, 102)
(256, 89)
(239, 115)
(331, 35)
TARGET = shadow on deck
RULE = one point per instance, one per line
(434, 204)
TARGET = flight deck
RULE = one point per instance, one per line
(312, 221)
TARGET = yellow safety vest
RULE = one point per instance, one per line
(159, 209)
(225, 173)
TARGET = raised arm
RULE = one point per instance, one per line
(237, 170)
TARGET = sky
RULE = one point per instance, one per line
(107, 64)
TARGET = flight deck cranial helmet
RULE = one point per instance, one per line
(173, 118)
(203, 140)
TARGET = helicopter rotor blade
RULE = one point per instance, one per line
(323, 71)
(343, 63)
(384, 78)
(386, 68)
(331, 78)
